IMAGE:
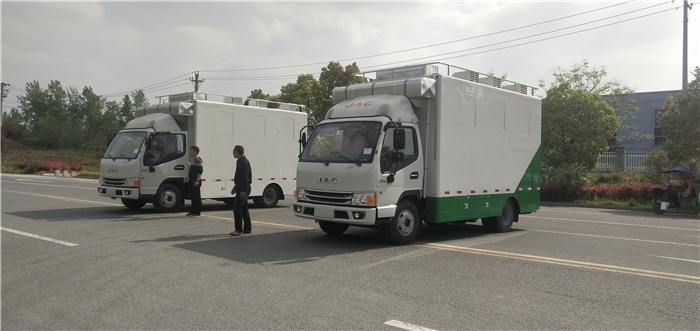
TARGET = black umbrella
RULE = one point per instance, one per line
(679, 168)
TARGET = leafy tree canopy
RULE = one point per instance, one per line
(576, 126)
(679, 120)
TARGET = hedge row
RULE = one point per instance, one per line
(640, 192)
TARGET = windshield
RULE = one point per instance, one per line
(125, 145)
(342, 142)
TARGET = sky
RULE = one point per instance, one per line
(117, 47)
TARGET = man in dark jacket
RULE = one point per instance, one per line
(242, 180)
(195, 181)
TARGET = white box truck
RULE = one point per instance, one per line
(414, 145)
(147, 161)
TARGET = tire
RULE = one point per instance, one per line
(134, 204)
(504, 222)
(168, 199)
(657, 208)
(333, 229)
(270, 197)
(405, 225)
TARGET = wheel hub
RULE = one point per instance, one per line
(405, 223)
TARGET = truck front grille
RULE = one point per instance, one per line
(336, 198)
(114, 182)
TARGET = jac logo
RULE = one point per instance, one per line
(359, 104)
(113, 171)
(327, 180)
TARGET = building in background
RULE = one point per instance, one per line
(641, 133)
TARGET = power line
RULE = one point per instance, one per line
(528, 37)
(438, 44)
(480, 47)
(145, 87)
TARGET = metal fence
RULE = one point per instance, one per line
(629, 161)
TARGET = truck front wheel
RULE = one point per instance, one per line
(405, 225)
(168, 198)
(133, 204)
(333, 229)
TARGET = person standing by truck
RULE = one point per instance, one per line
(195, 181)
(242, 180)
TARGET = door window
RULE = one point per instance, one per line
(164, 148)
(410, 152)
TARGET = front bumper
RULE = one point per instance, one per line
(339, 214)
(118, 192)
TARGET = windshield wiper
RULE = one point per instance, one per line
(320, 159)
(357, 163)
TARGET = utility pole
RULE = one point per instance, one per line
(5, 89)
(686, 6)
(196, 81)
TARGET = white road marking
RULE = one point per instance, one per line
(609, 223)
(407, 326)
(32, 180)
(64, 199)
(409, 255)
(618, 238)
(675, 258)
(36, 236)
(50, 185)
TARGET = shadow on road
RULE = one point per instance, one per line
(115, 214)
(300, 246)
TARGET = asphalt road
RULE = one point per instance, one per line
(74, 260)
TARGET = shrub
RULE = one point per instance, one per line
(54, 165)
(76, 167)
(563, 184)
(22, 165)
(632, 190)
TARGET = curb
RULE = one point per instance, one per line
(589, 205)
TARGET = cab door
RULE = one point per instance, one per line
(165, 158)
(408, 174)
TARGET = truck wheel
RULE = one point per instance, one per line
(405, 225)
(501, 223)
(168, 198)
(333, 229)
(269, 198)
(133, 204)
(657, 208)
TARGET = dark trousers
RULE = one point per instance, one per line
(196, 197)
(241, 216)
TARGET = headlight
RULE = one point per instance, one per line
(132, 182)
(363, 199)
(102, 181)
(300, 194)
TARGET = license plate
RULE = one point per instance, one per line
(324, 212)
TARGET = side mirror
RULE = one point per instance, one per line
(110, 137)
(399, 139)
(302, 141)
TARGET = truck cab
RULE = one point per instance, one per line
(146, 162)
(359, 162)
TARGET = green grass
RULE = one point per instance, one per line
(610, 202)
(16, 153)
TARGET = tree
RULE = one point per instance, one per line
(576, 126)
(258, 94)
(306, 91)
(594, 80)
(332, 76)
(679, 120)
(316, 95)
(139, 99)
(126, 111)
